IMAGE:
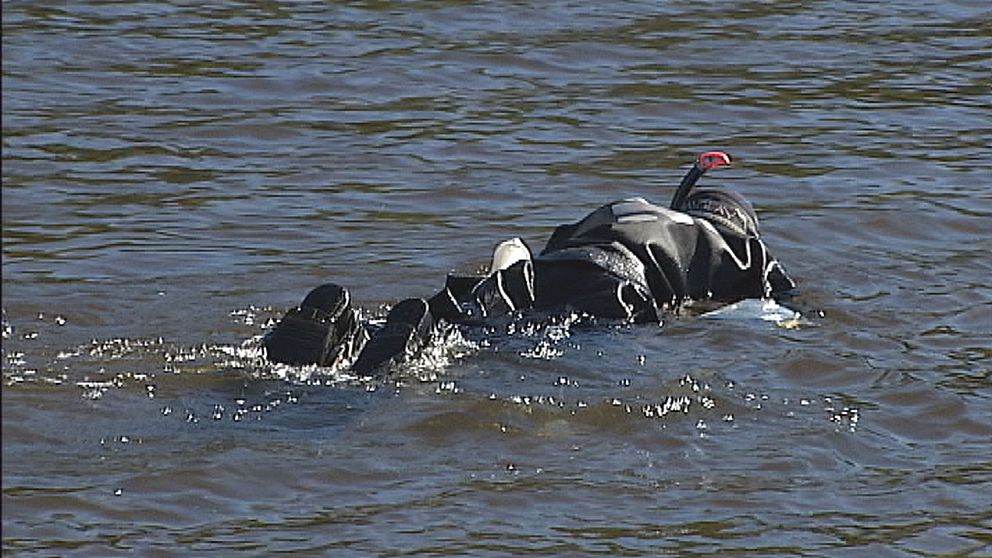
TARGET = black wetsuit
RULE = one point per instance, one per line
(628, 260)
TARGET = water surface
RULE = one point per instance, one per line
(176, 175)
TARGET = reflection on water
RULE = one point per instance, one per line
(176, 175)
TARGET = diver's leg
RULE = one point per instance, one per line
(504, 291)
(469, 299)
(508, 287)
(322, 330)
(584, 287)
(407, 328)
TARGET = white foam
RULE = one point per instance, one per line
(756, 309)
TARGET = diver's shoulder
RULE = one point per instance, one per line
(638, 209)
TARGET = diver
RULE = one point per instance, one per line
(630, 261)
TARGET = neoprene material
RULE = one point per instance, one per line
(632, 261)
(629, 260)
(728, 211)
(322, 330)
(681, 257)
(408, 326)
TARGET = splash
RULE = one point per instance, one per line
(752, 309)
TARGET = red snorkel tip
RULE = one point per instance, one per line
(712, 160)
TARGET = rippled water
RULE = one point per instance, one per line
(176, 175)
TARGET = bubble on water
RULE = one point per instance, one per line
(689, 381)
(246, 315)
(56, 380)
(118, 348)
(544, 350)
(679, 404)
(94, 390)
(447, 387)
(847, 417)
(7, 329)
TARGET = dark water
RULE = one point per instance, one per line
(175, 175)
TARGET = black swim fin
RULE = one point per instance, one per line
(408, 326)
(322, 330)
